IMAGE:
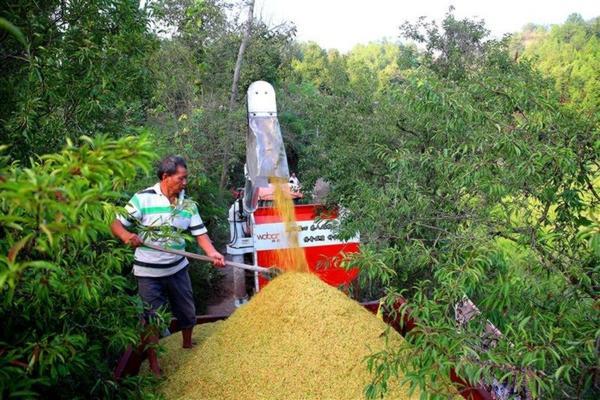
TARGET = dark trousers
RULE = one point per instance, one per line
(175, 289)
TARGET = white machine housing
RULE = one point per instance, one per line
(240, 236)
(261, 100)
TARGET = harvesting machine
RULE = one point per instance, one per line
(257, 231)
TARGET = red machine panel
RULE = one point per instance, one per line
(322, 248)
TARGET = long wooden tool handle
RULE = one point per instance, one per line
(206, 258)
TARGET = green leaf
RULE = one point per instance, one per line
(524, 322)
(13, 30)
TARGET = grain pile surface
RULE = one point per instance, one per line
(298, 338)
(172, 356)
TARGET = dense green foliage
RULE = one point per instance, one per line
(67, 308)
(82, 71)
(468, 171)
(570, 53)
(466, 176)
(194, 102)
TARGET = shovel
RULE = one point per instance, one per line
(267, 272)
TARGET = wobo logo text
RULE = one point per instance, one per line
(273, 237)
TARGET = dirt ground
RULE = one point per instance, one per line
(223, 302)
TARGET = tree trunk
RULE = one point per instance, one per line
(234, 88)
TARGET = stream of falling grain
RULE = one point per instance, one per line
(291, 258)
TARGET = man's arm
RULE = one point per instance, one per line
(206, 244)
(126, 237)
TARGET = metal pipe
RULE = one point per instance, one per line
(254, 254)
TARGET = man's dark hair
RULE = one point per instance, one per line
(169, 165)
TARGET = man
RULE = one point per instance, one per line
(294, 180)
(159, 210)
(294, 184)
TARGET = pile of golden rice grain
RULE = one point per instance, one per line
(298, 338)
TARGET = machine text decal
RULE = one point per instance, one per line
(310, 234)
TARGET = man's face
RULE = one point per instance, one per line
(177, 182)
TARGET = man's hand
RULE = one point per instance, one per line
(206, 245)
(133, 240)
(218, 259)
(130, 239)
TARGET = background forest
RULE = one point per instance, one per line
(469, 165)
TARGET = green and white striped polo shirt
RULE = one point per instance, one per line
(151, 208)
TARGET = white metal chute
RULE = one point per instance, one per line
(265, 151)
